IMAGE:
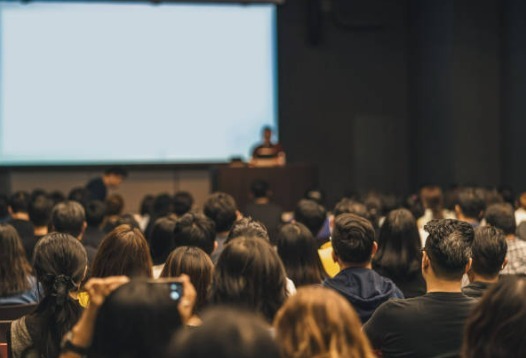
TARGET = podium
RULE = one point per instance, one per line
(288, 183)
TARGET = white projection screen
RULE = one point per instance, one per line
(110, 82)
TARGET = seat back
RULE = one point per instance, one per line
(12, 312)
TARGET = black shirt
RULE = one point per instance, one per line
(476, 289)
(427, 326)
(97, 189)
(269, 214)
(411, 285)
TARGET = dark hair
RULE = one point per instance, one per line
(399, 246)
(116, 170)
(298, 251)
(114, 204)
(162, 239)
(349, 206)
(15, 270)
(124, 219)
(195, 263)
(4, 211)
(488, 251)
(259, 188)
(433, 199)
(195, 230)
(247, 227)
(502, 217)
(60, 263)
(124, 251)
(40, 211)
(182, 202)
(471, 202)
(147, 205)
(352, 238)
(68, 217)
(95, 212)
(162, 205)
(80, 194)
(225, 333)
(316, 194)
(136, 320)
(222, 209)
(311, 214)
(497, 325)
(249, 273)
(448, 247)
(57, 196)
(19, 202)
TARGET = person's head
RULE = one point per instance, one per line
(222, 209)
(162, 205)
(471, 204)
(57, 196)
(124, 219)
(248, 227)
(114, 176)
(95, 212)
(316, 194)
(502, 216)
(433, 199)
(267, 134)
(488, 252)
(298, 250)
(80, 194)
(259, 189)
(497, 325)
(124, 251)
(4, 206)
(195, 263)
(69, 217)
(225, 333)
(114, 204)
(447, 253)
(311, 214)
(353, 240)
(60, 264)
(318, 322)
(14, 267)
(197, 230)
(182, 202)
(349, 206)
(147, 205)
(162, 239)
(136, 320)
(399, 245)
(522, 200)
(40, 211)
(19, 202)
(249, 273)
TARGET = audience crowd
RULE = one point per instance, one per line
(439, 274)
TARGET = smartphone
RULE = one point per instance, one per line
(175, 288)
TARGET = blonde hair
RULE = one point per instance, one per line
(318, 322)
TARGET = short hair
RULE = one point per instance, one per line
(497, 325)
(250, 274)
(471, 202)
(124, 251)
(79, 194)
(194, 229)
(136, 320)
(502, 217)
(114, 204)
(311, 214)
(448, 247)
(147, 205)
(195, 263)
(259, 188)
(226, 333)
(488, 251)
(68, 217)
(162, 205)
(117, 170)
(182, 202)
(319, 322)
(19, 202)
(222, 209)
(162, 239)
(353, 238)
(95, 212)
(40, 210)
(248, 227)
(349, 206)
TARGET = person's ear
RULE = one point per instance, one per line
(215, 246)
(504, 263)
(425, 261)
(10, 210)
(468, 265)
(374, 249)
(334, 256)
(458, 210)
(239, 216)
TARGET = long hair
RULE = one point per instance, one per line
(318, 322)
(433, 199)
(497, 325)
(195, 263)
(250, 274)
(399, 245)
(60, 263)
(298, 250)
(124, 251)
(136, 320)
(15, 270)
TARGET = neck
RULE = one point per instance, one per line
(41, 230)
(478, 278)
(441, 285)
(510, 237)
(466, 219)
(346, 265)
(20, 216)
(263, 200)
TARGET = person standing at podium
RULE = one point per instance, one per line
(268, 154)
